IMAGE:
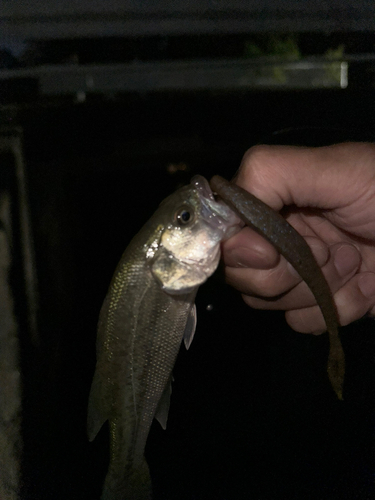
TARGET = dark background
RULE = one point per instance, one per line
(252, 412)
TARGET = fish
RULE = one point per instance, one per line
(289, 243)
(147, 313)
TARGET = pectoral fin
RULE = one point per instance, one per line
(191, 325)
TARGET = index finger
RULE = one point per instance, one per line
(325, 177)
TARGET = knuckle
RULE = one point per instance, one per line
(256, 152)
(256, 166)
(255, 156)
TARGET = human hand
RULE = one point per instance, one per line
(328, 195)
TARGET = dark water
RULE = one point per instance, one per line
(252, 413)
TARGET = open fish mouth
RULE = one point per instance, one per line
(216, 213)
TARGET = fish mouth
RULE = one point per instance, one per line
(202, 186)
(216, 213)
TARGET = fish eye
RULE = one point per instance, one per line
(184, 215)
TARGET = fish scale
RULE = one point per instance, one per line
(142, 323)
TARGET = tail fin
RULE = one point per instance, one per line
(135, 486)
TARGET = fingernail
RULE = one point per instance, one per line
(366, 283)
(346, 259)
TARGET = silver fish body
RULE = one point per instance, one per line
(148, 311)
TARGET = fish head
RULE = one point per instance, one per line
(194, 224)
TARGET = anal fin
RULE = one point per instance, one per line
(162, 409)
(97, 410)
